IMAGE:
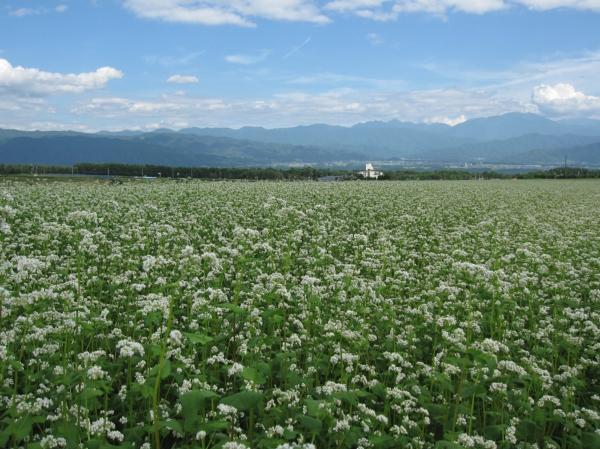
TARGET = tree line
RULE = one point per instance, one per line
(271, 173)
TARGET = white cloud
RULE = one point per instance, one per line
(544, 5)
(31, 81)
(247, 59)
(448, 120)
(246, 12)
(374, 38)
(336, 79)
(23, 12)
(183, 79)
(337, 106)
(386, 10)
(167, 107)
(232, 12)
(354, 5)
(168, 61)
(564, 99)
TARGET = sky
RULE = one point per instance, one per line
(92, 65)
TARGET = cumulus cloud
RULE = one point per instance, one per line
(564, 99)
(183, 79)
(232, 12)
(31, 81)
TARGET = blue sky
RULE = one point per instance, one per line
(143, 64)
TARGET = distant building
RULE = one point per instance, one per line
(370, 173)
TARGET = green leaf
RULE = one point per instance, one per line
(494, 432)
(69, 431)
(171, 424)
(314, 408)
(528, 430)
(469, 389)
(231, 307)
(254, 375)
(165, 369)
(22, 428)
(590, 440)
(198, 339)
(90, 392)
(383, 442)
(312, 424)
(447, 445)
(244, 400)
(4, 437)
(192, 403)
(289, 434)
(347, 396)
(213, 426)
(270, 443)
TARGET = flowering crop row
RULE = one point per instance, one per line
(300, 315)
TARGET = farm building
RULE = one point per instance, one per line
(370, 173)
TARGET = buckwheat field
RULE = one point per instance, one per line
(300, 315)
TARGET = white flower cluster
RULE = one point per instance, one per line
(129, 348)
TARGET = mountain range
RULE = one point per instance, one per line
(513, 138)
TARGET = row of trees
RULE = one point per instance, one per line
(160, 171)
(299, 173)
(562, 172)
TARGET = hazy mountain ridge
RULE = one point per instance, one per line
(510, 138)
(164, 149)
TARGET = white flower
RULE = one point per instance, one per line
(175, 337)
(129, 348)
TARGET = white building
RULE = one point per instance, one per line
(370, 173)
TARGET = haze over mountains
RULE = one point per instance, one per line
(513, 138)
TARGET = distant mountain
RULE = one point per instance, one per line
(396, 139)
(155, 148)
(514, 137)
(507, 150)
(378, 139)
(507, 126)
(582, 126)
(578, 155)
